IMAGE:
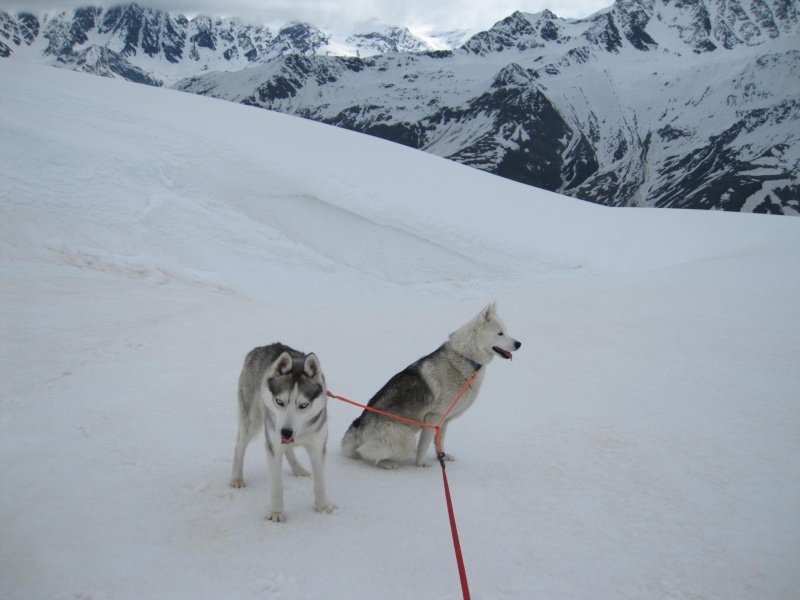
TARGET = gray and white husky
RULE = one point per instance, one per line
(425, 390)
(283, 391)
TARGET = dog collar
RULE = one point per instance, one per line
(475, 365)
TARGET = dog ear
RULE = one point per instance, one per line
(489, 311)
(283, 365)
(312, 368)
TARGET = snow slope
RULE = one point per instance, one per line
(644, 442)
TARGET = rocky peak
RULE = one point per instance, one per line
(21, 30)
(300, 38)
(380, 39)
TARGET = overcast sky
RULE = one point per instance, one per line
(438, 15)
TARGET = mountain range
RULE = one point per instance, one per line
(662, 103)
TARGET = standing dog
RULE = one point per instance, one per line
(425, 390)
(284, 391)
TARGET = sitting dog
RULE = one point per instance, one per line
(425, 390)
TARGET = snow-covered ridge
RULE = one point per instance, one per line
(169, 45)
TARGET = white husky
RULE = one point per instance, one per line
(283, 391)
(425, 390)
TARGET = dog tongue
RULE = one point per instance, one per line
(287, 440)
(503, 353)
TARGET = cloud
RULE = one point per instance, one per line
(421, 14)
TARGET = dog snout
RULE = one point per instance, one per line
(517, 345)
(287, 433)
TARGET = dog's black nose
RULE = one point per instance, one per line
(287, 433)
(517, 345)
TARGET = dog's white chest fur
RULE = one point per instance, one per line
(446, 390)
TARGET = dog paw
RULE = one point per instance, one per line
(276, 517)
(326, 508)
(237, 483)
(389, 465)
(449, 457)
(423, 463)
(301, 472)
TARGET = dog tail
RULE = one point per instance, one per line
(352, 439)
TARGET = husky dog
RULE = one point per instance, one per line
(425, 390)
(284, 391)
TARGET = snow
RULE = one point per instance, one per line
(643, 443)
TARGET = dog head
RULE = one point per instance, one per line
(494, 333)
(484, 337)
(297, 396)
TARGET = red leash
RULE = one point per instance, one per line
(462, 572)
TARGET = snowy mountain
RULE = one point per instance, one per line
(647, 103)
(152, 46)
(376, 38)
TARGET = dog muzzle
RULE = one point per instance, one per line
(287, 436)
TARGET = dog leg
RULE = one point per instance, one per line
(376, 453)
(297, 468)
(275, 510)
(321, 502)
(425, 438)
(385, 442)
(237, 477)
(388, 443)
(442, 431)
(249, 424)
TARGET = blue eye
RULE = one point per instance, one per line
(303, 405)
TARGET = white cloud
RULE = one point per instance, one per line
(422, 14)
